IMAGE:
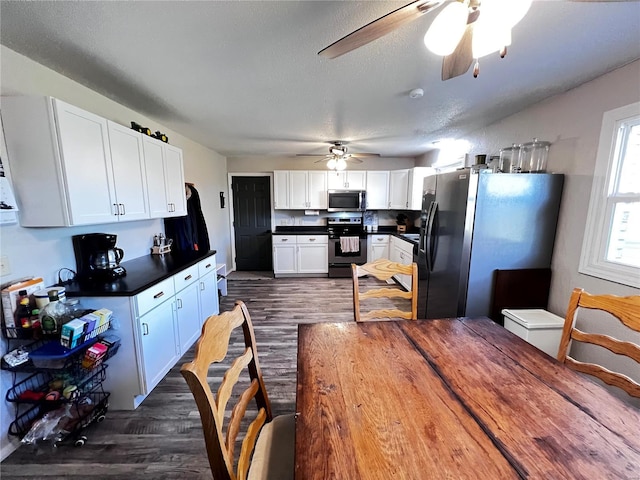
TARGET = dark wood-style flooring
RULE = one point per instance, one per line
(162, 439)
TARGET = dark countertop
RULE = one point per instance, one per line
(142, 273)
(290, 230)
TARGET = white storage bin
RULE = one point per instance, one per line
(540, 328)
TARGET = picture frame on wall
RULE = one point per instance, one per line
(8, 204)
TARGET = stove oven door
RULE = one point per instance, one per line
(340, 260)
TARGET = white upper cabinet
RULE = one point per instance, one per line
(63, 170)
(377, 190)
(347, 180)
(127, 160)
(416, 184)
(281, 189)
(398, 188)
(165, 179)
(307, 189)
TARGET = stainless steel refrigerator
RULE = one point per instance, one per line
(473, 224)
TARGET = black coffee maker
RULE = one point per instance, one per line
(97, 257)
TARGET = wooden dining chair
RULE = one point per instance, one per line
(267, 449)
(383, 269)
(627, 311)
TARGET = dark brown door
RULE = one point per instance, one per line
(252, 223)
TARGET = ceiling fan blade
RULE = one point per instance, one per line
(459, 62)
(380, 27)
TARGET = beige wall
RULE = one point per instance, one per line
(43, 251)
(269, 164)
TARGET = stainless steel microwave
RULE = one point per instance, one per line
(346, 200)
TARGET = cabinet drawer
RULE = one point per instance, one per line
(314, 239)
(185, 277)
(154, 296)
(379, 239)
(207, 265)
(284, 239)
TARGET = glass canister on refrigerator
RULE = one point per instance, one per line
(509, 159)
(534, 156)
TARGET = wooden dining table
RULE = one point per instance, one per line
(455, 398)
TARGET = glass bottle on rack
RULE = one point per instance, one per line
(53, 315)
(23, 314)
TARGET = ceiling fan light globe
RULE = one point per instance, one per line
(447, 29)
(331, 164)
(489, 36)
(341, 164)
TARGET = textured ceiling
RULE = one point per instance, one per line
(244, 78)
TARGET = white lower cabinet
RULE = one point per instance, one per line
(300, 254)
(188, 316)
(208, 288)
(158, 345)
(156, 327)
(378, 247)
(313, 253)
(401, 251)
(284, 254)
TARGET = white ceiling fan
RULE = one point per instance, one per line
(464, 30)
(338, 156)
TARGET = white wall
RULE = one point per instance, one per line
(43, 251)
(571, 122)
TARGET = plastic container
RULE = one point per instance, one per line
(509, 159)
(540, 328)
(42, 296)
(52, 355)
(534, 155)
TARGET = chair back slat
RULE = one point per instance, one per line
(383, 269)
(229, 380)
(627, 311)
(213, 347)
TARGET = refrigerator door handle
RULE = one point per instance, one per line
(429, 243)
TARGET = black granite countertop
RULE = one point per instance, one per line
(142, 273)
(309, 230)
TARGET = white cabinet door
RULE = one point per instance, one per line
(398, 189)
(209, 304)
(313, 253)
(86, 159)
(416, 184)
(127, 159)
(378, 247)
(356, 180)
(298, 189)
(336, 180)
(313, 258)
(317, 190)
(154, 167)
(159, 345)
(284, 254)
(174, 181)
(280, 189)
(188, 316)
(165, 179)
(377, 190)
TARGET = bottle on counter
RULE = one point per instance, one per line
(23, 313)
(53, 315)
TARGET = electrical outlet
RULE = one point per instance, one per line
(5, 268)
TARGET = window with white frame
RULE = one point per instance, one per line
(611, 248)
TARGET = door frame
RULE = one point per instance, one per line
(232, 231)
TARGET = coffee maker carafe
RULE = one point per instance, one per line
(97, 256)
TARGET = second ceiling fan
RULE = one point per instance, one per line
(464, 30)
